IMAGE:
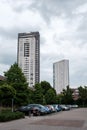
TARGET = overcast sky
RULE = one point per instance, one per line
(63, 34)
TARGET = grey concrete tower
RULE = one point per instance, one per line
(28, 56)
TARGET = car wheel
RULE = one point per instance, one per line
(38, 113)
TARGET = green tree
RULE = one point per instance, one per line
(30, 96)
(50, 96)
(59, 98)
(37, 94)
(67, 96)
(45, 86)
(83, 95)
(17, 80)
(6, 94)
(14, 75)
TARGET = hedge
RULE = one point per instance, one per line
(8, 116)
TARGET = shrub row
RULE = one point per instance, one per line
(8, 116)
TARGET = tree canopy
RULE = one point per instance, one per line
(14, 75)
(6, 94)
(67, 96)
(50, 96)
(17, 80)
(45, 86)
(15, 86)
(83, 95)
(37, 94)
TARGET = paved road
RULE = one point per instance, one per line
(75, 119)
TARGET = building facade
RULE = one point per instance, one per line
(60, 75)
(28, 56)
(75, 94)
(2, 78)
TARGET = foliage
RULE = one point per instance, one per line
(21, 99)
(2, 82)
(38, 95)
(17, 80)
(44, 93)
(67, 96)
(59, 98)
(30, 96)
(7, 92)
(15, 86)
(83, 95)
(15, 75)
(45, 86)
(50, 96)
(8, 116)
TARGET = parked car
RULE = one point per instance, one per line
(38, 109)
(57, 107)
(51, 108)
(75, 106)
(64, 107)
(48, 110)
(25, 109)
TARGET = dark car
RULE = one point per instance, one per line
(25, 109)
(38, 109)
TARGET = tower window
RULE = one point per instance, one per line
(26, 49)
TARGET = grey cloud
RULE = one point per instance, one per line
(8, 34)
(81, 32)
(17, 5)
(7, 58)
(79, 75)
(79, 78)
(42, 40)
(83, 24)
(12, 33)
(82, 36)
(49, 8)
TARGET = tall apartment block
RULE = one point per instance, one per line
(28, 56)
(60, 75)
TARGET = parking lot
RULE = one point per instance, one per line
(75, 119)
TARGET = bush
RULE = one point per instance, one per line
(8, 116)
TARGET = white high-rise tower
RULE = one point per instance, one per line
(60, 75)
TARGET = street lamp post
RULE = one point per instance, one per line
(12, 104)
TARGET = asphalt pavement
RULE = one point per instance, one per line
(75, 119)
